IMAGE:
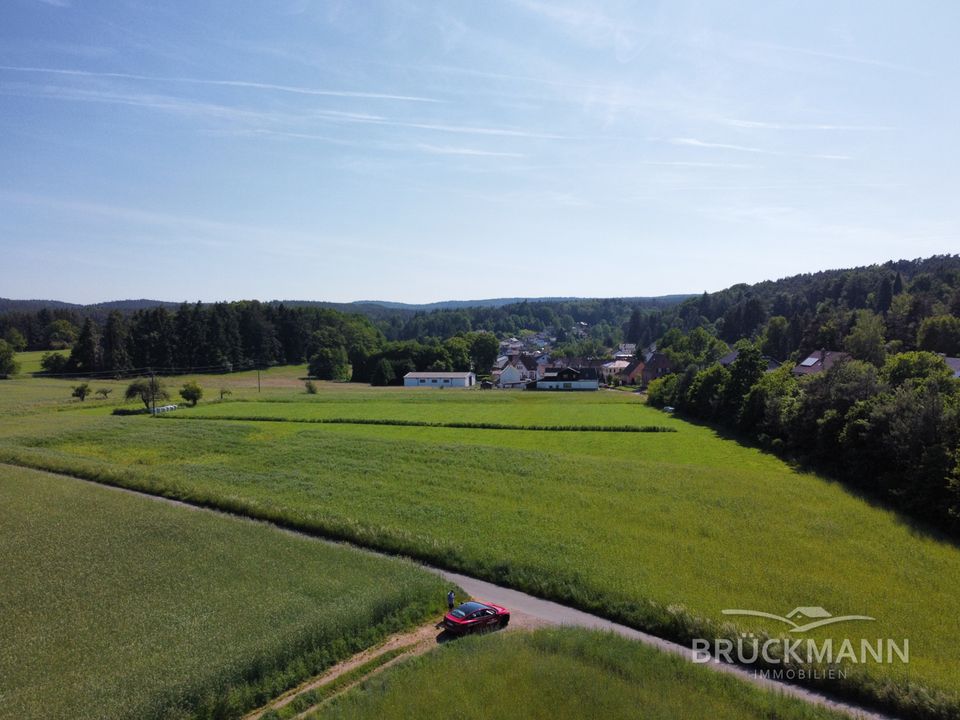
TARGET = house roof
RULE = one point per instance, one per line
(819, 361)
(729, 358)
(429, 375)
(616, 365)
(953, 364)
(529, 362)
(659, 360)
(732, 356)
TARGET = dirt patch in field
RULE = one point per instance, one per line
(414, 642)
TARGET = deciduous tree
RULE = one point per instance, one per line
(191, 392)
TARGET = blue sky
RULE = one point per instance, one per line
(420, 151)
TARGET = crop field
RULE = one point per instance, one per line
(448, 406)
(557, 674)
(116, 606)
(661, 531)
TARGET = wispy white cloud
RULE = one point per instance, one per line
(694, 142)
(390, 146)
(589, 25)
(150, 101)
(696, 164)
(448, 150)
(298, 90)
(162, 228)
(761, 125)
(227, 112)
(476, 130)
(839, 57)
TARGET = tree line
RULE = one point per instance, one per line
(226, 337)
(912, 299)
(889, 426)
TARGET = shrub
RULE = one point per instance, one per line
(81, 391)
(53, 362)
(191, 392)
(311, 387)
(330, 363)
(8, 365)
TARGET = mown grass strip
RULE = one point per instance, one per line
(425, 423)
(310, 699)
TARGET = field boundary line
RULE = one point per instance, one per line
(428, 424)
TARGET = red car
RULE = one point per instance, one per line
(473, 616)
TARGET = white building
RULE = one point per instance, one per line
(439, 379)
(613, 368)
(518, 372)
(569, 379)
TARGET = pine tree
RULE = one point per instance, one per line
(86, 355)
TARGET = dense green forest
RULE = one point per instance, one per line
(885, 420)
(819, 310)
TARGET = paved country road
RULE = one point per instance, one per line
(539, 611)
(556, 614)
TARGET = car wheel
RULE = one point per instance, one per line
(504, 621)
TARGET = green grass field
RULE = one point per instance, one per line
(463, 406)
(557, 675)
(659, 530)
(116, 606)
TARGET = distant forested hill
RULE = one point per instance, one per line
(818, 310)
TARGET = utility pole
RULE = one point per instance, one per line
(153, 392)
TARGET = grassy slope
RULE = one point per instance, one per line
(556, 675)
(115, 606)
(607, 521)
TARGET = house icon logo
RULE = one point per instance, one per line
(811, 617)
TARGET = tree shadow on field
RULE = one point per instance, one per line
(802, 466)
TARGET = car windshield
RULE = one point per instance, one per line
(467, 609)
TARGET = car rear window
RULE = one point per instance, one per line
(466, 609)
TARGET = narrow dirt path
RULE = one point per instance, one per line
(539, 611)
(411, 643)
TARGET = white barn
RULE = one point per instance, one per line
(439, 379)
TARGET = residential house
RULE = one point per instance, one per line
(819, 361)
(518, 372)
(656, 366)
(728, 360)
(510, 377)
(625, 351)
(633, 373)
(439, 379)
(568, 378)
(613, 369)
(511, 347)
